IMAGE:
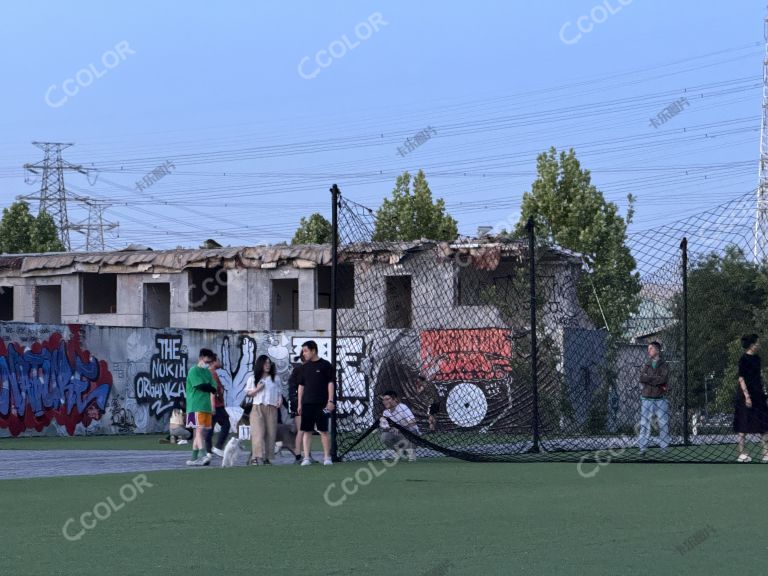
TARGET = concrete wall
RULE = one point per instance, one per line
(73, 379)
(69, 379)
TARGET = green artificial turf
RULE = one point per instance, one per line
(132, 442)
(436, 518)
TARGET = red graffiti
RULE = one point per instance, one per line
(53, 379)
(449, 355)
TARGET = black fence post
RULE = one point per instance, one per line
(684, 271)
(534, 342)
(335, 195)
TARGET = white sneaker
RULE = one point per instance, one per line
(306, 462)
(327, 462)
(182, 441)
(206, 460)
(744, 458)
(278, 447)
(218, 452)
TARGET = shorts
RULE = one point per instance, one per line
(200, 420)
(433, 409)
(312, 415)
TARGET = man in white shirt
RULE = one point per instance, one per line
(401, 415)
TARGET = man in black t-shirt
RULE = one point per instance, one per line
(316, 382)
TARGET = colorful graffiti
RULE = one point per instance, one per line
(167, 375)
(53, 380)
(473, 373)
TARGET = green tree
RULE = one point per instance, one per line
(726, 298)
(411, 215)
(45, 235)
(313, 230)
(570, 211)
(21, 232)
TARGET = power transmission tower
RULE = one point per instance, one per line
(95, 225)
(53, 193)
(761, 212)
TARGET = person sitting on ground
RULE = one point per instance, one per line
(179, 433)
(398, 413)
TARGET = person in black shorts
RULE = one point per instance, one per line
(316, 381)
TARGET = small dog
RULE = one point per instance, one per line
(286, 437)
(285, 440)
(232, 451)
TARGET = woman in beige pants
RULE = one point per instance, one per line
(265, 389)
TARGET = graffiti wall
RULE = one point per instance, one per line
(73, 380)
(48, 380)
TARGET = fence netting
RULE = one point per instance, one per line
(445, 329)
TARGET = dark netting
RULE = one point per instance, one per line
(459, 315)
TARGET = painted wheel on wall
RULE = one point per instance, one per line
(466, 405)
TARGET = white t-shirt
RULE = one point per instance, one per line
(270, 394)
(401, 415)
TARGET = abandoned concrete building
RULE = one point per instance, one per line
(270, 287)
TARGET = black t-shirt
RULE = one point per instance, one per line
(314, 377)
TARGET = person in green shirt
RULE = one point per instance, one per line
(200, 386)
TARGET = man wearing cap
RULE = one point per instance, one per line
(654, 380)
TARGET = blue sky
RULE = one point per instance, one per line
(216, 90)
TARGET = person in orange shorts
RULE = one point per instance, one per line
(200, 386)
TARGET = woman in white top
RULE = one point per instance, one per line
(265, 389)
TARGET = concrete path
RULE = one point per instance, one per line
(52, 463)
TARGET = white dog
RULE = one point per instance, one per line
(232, 452)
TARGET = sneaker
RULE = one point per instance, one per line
(765, 458)
(218, 452)
(191, 462)
(298, 458)
(744, 458)
(257, 462)
(206, 460)
(306, 462)
(182, 441)
(278, 447)
(267, 463)
(327, 462)
(411, 456)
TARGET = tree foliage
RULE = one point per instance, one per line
(313, 230)
(411, 214)
(570, 211)
(726, 299)
(21, 232)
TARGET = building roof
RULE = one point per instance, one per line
(485, 254)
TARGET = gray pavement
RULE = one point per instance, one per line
(53, 463)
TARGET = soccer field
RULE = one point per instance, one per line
(437, 518)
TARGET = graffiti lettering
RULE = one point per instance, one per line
(52, 379)
(166, 377)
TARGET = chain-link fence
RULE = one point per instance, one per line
(444, 329)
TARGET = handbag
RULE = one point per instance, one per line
(247, 406)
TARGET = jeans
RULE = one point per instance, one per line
(649, 407)
(221, 418)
